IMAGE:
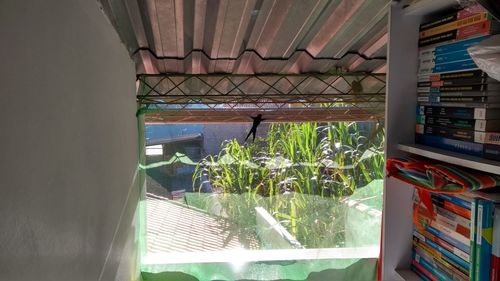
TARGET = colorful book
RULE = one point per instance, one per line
(454, 204)
(440, 98)
(473, 237)
(424, 271)
(456, 267)
(454, 25)
(459, 112)
(419, 273)
(485, 213)
(458, 75)
(464, 90)
(460, 14)
(485, 105)
(460, 134)
(483, 28)
(453, 222)
(447, 67)
(466, 124)
(459, 253)
(435, 269)
(444, 58)
(419, 240)
(445, 48)
(495, 251)
(458, 82)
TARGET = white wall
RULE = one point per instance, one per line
(68, 144)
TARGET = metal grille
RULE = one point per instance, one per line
(232, 98)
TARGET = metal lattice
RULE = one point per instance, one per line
(232, 98)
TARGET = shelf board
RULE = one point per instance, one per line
(425, 7)
(408, 275)
(459, 159)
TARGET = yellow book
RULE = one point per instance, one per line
(455, 24)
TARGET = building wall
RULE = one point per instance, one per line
(68, 144)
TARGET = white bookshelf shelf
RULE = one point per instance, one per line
(459, 159)
(424, 7)
(408, 275)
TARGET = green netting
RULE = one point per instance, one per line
(338, 269)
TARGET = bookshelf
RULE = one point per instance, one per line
(459, 159)
(401, 102)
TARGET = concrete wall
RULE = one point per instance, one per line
(68, 144)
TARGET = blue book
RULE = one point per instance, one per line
(484, 237)
(457, 46)
(465, 147)
(452, 57)
(454, 199)
(445, 58)
(454, 66)
(452, 241)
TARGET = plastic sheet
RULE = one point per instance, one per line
(487, 56)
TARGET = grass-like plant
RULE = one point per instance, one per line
(300, 173)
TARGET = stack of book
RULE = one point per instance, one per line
(458, 104)
(457, 244)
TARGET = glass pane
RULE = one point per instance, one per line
(298, 187)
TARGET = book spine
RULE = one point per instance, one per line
(448, 236)
(465, 135)
(420, 239)
(444, 58)
(477, 29)
(470, 148)
(454, 222)
(465, 113)
(467, 12)
(437, 98)
(456, 208)
(461, 23)
(462, 88)
(457, 75)
(432, 268)
(419, 273)
(447, 67)
(459, 112)
(480, 28)
(459, 269)
(455, 200)
(429, 275)
(493, 96)
(489, 138)
(473, 237)
(492, 152)
(495, 251)
(466, 124)
(484, 238)
(475, 105)
(451, 57)
(446, 48)
(459, 253)
(457, 82)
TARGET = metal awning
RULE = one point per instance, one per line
(250, 56)
(252, 36)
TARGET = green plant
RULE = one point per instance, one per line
(300, 173)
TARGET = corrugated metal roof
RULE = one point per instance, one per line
(252, 36)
